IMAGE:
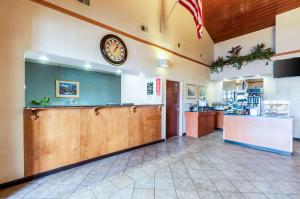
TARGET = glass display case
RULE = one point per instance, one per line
(276, 108)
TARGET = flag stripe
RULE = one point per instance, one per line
(195, 8)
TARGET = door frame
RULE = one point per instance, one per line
(181, 109)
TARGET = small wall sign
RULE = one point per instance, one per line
(157, 86)
(150, 88)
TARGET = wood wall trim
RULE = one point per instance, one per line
(110, 28)
(286, 53)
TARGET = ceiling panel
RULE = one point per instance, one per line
(226, 19)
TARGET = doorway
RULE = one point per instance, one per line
(172, 108)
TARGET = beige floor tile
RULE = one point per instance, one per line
(145, 183)
(244, 186)
(143, 194)
(187, 194)
(209, 195)
(254, 196)
(165, 194)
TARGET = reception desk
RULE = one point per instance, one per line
(60, 136)
(264, 133)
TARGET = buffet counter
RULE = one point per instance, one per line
(274, 134)
(59, 136)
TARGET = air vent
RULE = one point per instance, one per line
(85, 2)
(144, 28)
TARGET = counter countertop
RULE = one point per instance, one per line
(200, 111)
(238, 115)
(89, 106)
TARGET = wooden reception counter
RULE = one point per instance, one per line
(59, 136)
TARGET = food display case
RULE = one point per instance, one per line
(276, 108)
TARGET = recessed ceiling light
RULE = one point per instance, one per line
(141, 74)
(88, 65)
(44, 58)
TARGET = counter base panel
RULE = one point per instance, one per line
(259, 148)
(269, 133)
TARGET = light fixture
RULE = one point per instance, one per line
(141, 74)
(163, 63)
(88, 65)
(44, 58)
(119, 71)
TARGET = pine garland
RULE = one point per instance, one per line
(234, 59)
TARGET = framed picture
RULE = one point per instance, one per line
(67, 89)
(150, 88)
(190, 91)
(202, 91)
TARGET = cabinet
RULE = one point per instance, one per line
(199, 124)
(219, 119)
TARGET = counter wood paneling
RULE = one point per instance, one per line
(219, 119)
(200, 123)
(57, 137)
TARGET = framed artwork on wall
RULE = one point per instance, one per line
(67, 89)
(202, 91)
(150, 88)
(191, 91)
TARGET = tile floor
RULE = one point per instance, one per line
(181, 168)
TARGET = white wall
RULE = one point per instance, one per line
(288, 31)
(133, 89)
(247, 41)
(130, 14)
(44, 30)
(287, 39)
(215, 91)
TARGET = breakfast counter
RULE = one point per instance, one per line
(59, 136)
(274, 134)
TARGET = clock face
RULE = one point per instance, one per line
(113, 49)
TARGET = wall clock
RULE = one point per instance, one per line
(113, 50)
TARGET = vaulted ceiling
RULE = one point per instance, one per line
(226, 19)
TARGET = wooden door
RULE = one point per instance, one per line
(172, 108)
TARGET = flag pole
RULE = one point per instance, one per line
(162, 26)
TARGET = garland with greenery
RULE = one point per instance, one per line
(234, 59)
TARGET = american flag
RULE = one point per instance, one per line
(195, 8)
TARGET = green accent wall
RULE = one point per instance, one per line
(95, 88)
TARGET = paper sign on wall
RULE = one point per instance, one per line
(157, 86)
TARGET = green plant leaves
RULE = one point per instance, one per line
(41, 102)
(234, 59)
